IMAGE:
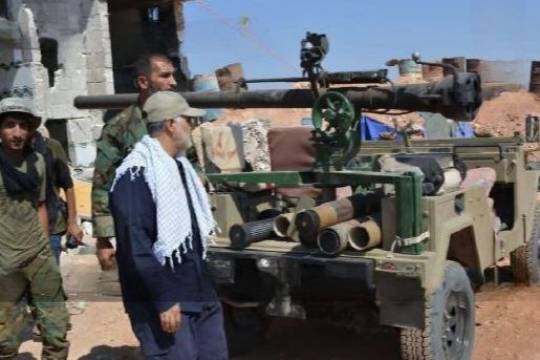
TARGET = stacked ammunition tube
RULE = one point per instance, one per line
(343, 223)
(348, 223)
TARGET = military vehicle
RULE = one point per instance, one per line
(423, 223)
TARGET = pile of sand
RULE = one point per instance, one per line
(505, 114)
(278, 117)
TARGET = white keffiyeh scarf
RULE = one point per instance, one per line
(172, 210)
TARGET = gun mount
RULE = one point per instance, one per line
(337, 109)
(457, 96)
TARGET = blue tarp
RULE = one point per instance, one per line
(463, 129)
(371, 128)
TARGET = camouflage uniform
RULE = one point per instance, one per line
(42, 282)
(117, 139)
(29, 270)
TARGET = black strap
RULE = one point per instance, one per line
(16, 181)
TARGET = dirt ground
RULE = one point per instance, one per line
(508, 324)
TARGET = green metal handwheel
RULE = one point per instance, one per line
(335, 135)
(336, 110)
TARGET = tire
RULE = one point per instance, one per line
(525, 260)
(449, 321)
(245, 328)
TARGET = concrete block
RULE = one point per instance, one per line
(94, 39)
(96, 60)
(95, 76)
(96, 131)
(17, 55)
(63, 83)
(9, 30)
(80, 130)
(107, 59)
(78, 80)
(8, 55)
(97, 88)
(57, 111)
(82, 154)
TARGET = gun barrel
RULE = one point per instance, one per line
(458, 99)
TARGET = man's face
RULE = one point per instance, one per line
(182, 133)
(15, 131)
(161, 76)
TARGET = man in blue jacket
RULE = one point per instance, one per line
(163, 225)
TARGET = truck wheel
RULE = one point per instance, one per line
(245, 328)
(449, 321)
(525, 260)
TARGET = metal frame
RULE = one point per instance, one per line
(408, 188)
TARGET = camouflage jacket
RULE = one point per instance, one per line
(117, 139)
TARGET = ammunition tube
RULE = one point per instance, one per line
(282, 223)
(241, 235)
(311, 221)
(335, 239)
(365, 235)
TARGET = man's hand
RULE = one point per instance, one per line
(105, 253)
(170, 319)
(76, 232)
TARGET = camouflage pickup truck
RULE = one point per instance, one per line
(424, 222)
(423, 287)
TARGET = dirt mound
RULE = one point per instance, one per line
(278, 117)
(505, 114)
(501, 116)
(293, 117)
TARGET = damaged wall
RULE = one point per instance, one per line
(145, 27)
(54, 50)
(72, 39)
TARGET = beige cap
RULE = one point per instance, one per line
(164, 105)
(20, 105)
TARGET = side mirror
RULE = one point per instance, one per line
(532, 129)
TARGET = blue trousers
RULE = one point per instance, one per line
(56, 246)
(201, 335)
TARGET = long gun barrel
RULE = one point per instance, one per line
(457, 99)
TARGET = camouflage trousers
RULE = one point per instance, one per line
(41, 283)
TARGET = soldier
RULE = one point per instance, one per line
(27, 266)
(154, 73)
(62, 215)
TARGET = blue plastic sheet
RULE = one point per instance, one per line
(463, 129)
(371, 128)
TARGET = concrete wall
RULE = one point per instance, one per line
(81, 30)
(84, 65)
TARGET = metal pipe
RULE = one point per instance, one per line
(455, 102)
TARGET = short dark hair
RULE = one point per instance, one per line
(143, 65)
(155, 127)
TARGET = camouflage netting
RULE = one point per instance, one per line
(256, 144)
